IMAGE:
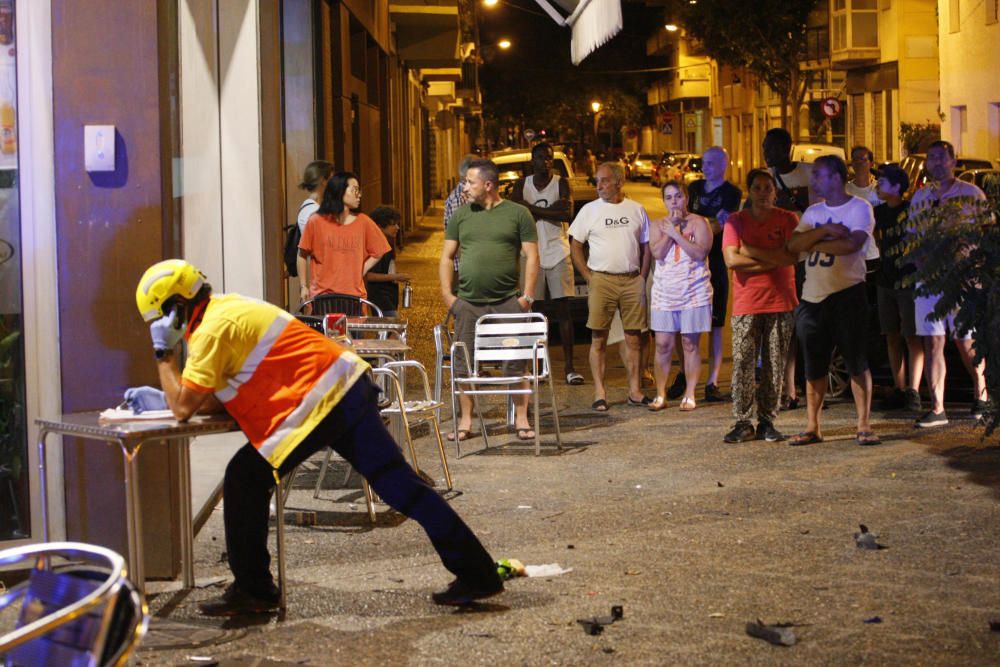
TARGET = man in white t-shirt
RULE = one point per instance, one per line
(940, 166)
(547, 196)
(617, 230)
(832, 238)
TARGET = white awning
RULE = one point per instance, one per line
(593, 23)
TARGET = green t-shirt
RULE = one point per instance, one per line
(489, 245)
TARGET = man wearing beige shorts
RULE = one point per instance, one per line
(617, 230)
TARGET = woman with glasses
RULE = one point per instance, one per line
(340, 244)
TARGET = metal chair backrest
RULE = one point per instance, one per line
(512, 337)
(322, 304)
(88, 614)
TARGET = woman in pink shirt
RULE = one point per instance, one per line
(763, 286)
(340, 243)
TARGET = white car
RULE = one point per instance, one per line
(809, 152)
(514, 164)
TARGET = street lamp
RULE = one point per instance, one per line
(504, 44)
(595, 106)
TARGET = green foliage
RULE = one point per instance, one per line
(768, 37)
(917, 137)
(956, 249)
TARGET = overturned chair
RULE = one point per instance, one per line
(82, 612)
(501, 339)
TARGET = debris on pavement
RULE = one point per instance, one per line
(779, 634)
(547, 570)
(595, 624)
(995, 626)
(508, 568)
(867, 540)
(874, 619)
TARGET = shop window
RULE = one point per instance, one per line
(14, 519)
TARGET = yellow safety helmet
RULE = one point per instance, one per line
(164, 280)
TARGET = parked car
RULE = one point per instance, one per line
(913, 165)
(987, 180)
(514, 164)
(809, 152)
(667, 168)
(642, 166)
(692, 170)
(628, 160)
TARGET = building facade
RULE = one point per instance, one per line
(213, 109)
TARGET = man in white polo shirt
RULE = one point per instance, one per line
(617, 229)
(940, 166)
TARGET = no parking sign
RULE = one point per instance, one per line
(832, 107)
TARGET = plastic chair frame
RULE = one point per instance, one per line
(106, 593)
(474, 385)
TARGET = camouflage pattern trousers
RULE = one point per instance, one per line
(766, 335)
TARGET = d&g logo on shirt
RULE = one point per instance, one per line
(619, 222)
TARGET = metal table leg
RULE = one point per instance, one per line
(42, 484)
(279, 520)
(187, 522)
(133, 518)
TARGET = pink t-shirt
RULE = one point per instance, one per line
(772, 291)
(338, 253)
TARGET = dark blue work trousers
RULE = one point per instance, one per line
(354, 429)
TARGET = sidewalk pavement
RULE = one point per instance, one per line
(693, 537)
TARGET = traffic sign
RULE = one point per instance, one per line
(529, 134)
(667, 128)
(832, 107)
(666, 117)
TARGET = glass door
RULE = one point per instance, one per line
(15, 522)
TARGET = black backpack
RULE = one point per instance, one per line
(292, 236)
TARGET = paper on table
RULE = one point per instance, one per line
(126, 415)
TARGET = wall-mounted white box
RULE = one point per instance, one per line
(99, 147)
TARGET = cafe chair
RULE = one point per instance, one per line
(500, 340)
(444, 336)
(77, 607)
(322, 304)
(423, 409)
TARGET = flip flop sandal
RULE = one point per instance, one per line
(522, 434)
(574, 378)
(642, 403)
(804, 438)
(688, 404)
(463, 435)
(600, 405)
(659, 403)
(868, 438)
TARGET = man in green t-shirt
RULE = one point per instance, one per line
(488, 233)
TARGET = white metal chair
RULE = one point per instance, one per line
(500, 340)
(423, 409)
(85, 612)
(444, 336)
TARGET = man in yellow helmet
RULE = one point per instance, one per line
(293, 392)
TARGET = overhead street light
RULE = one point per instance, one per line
(504, 44)
(595, 106)
(671, 27)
